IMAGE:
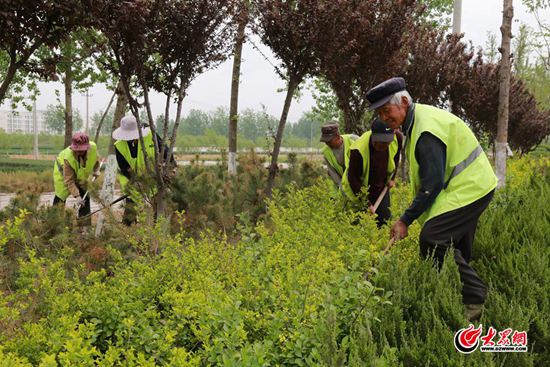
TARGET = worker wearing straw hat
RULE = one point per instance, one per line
(131, 158)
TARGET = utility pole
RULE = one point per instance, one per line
(457, 19)
(35, 128)
(457, 16)
(88, 95)
(311, 133)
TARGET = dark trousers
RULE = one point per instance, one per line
(130, 215)
(83, 210)
(456, 230)
(383, 213)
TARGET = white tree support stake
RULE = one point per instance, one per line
(107, 190)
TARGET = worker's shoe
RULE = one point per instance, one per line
(473, 311)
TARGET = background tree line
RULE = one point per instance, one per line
(348, 45)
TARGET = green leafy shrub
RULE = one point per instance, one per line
(305, 286)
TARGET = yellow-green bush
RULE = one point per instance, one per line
(307, 286)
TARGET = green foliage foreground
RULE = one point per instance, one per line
(308, 286)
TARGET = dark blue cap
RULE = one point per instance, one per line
(380, 132)
(382, 93)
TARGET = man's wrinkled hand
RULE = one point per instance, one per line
(399, 230)
(391, 184)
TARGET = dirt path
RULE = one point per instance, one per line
(46, 199)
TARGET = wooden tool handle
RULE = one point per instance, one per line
(389, 245)
(379, 200)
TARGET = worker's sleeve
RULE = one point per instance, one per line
(355, 171)
(69, 177)
(160, 143)
(96, 168)
(334, 176)
(123, 166)
(430, 153)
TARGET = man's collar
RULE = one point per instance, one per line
(409, 120)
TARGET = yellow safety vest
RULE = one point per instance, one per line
(331, 158)
(82, 172)
(137, 164)
(468, 173)
(362, 145)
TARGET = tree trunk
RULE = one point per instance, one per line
(352, 118)
(107, 192)
(68, 82)
(120, 110)
(100, 125)
(348, 120)
(234, 104)
(10, 74)
(504, 93)
(273, 168)
(164, 169)
(35, 131)
(109, 180)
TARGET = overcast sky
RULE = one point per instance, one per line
(259, 83)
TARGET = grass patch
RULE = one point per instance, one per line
(28, 165)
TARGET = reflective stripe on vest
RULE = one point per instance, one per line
(465, 163)
(468, 173)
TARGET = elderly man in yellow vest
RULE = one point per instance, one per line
(373, 162)
(336, 152)
(72, 168)
(451, 179)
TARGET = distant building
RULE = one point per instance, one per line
(22, 122)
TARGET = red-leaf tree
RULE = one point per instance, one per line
(475, 99)
(26, 25)
(442, 68)
(436, 61)
(289, 28)
(163, 45)
(362, 44)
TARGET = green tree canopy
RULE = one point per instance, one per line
(54, 119)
